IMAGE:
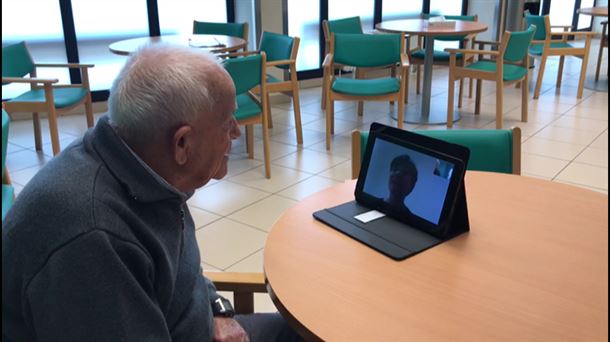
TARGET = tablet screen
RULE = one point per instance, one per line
(410, 177)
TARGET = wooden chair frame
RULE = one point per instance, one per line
(458, 72)
(242, 284)
(49, 105)
(332, 96)
(562, 52)
(357, 152)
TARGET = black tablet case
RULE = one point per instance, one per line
(390, 236)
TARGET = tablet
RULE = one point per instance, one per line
(412, 178)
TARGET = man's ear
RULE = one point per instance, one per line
(181, 143)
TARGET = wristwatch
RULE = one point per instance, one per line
(222, 307)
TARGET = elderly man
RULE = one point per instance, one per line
(100, 245)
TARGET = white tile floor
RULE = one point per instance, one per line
(565, 140)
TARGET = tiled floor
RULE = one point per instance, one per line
(565, 140)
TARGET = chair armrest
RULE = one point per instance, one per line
(474, 52)
(328, 61)
(238, 281)
(281, 62)
(404, 60)
(574, 33)
(487, 42)
(564, 27)
(31, 80)
(64, 65)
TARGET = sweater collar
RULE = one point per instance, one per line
(140, 182)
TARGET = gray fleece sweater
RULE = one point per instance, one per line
(95, 248)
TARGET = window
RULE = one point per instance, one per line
(400, 9)
(304, 22)
(42, 31)
(177, 16)
(338, 9)
(98, 24)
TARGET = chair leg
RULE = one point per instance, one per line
(329, 119)
(450, 100)
(583, 71)
(540, 76)
(499, 104)
(266, 151)
(461, 93)
(359, 75)
(560, 71)
(418, 80)
(470, 86)
(524, 99)
(323, 101)
(54, 131)
(250, 141)
(297, 112)
(599, 61)
(477, 100)
(393, 75)
(37, 133)
(89, 111)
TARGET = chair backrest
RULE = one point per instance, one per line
(542, 23)
(239, 30)
(366, 50)
(246, 71)
(344, 25)
(515, 47)
(451, 17)
(278, 47)
(494, 150)
(16, 60)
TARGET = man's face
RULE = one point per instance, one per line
(401, 182)
(214, 137)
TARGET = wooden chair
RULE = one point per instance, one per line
(510, 66)
(239, 30)
(545, 46)
(45, 95)
(417, 55)
(491, 150)
(603, 43)
(281, 52)
(242, 284)
(249, 72)
(369, 51)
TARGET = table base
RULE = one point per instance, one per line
(437, 116)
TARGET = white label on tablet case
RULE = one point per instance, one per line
(369, 216)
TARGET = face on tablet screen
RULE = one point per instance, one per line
(410, 182)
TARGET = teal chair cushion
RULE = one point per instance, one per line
(227, 29)
(16, 60)
(511, 72)
(490, 150)
(246, 107)
(7, 198)
(345, 25)
(536, 49)
(63, 97)
(245, 72)
(437, 55)
(372, 87)
(276, 46)
(367, 50)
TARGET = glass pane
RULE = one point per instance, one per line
(176, 16)
(584, 21)
(400, 9)
(338, 9)
(446, 7)
(304, 22)
(42, 31)
(561, 12)
(245, 12)
(98, 24)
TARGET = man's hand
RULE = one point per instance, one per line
(228, 330)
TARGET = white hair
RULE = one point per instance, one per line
(164, 86)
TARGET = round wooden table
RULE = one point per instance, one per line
(213, 43)
(534, 267)
(594, 11)
(422, 27)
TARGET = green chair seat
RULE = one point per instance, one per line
(372, 87)
(490, 150)
(246, 107)
(511, 72)
(7, 198)
(63, 97)
(437, 55)
(536, 49)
